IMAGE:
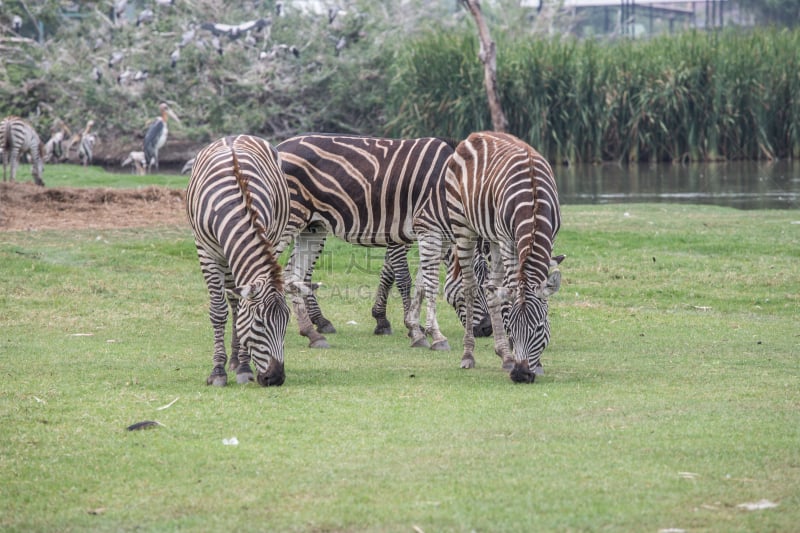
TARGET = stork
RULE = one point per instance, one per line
(156, 135)
(86, 145)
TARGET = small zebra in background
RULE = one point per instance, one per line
(502, 190)
(371, 192)
(17, 137)
(86, 144)
(237, 201)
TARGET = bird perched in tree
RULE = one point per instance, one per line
(234, 32)
(146, 16)
(156, 135)
(16, 23)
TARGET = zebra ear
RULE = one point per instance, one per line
(555, 261)
(240, 293)
(552, 284)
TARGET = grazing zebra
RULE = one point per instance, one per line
(454, 294)
(370, 192)
(502, 190)
(237, 201)
(17, 137)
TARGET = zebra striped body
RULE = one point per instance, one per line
(454, 290)
(502, 190)
(238, 206)
(17, 137)
(370, 192)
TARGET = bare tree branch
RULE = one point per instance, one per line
(488, 56)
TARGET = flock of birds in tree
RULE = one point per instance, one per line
(65, 146)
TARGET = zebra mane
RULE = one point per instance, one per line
(241, 181)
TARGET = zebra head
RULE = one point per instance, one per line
(528, 324)
(261, 324)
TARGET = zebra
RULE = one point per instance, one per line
(18, 137)
(372, 192)
(237, 202)
(502, 190)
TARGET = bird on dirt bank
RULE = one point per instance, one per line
(156, 135)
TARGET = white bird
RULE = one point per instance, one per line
(115, 58)
(16, 23)
(145, 16)
(125, 76)
(165, 2)
(156, 135)
(187, 37)
(175, 57)
(216, 44)
(140, 75)
(235, 31)
(138, 161)
(97, 74)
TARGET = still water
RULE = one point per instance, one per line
(743, 185)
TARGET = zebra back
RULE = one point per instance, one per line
(367, 190)
(237, 189)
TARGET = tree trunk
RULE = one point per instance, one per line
(488, 56)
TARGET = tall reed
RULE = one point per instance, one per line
(691, 96)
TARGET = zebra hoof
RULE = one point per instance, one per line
(218, 377)
(467, 362)
(319, 343)
(441, 346)
(383, 328)
(244, 375)
(421, 343)
(324, 326)
(522, 374)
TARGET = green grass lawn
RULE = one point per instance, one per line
(671, 394)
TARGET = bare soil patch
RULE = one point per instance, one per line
(25, 206)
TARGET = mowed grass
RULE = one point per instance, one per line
(671, 394)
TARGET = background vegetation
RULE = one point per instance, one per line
(411, 69)
(670, 398)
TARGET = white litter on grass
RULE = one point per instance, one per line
(233, 441)
(81, 335)
(688, 475)
(757, 506)
(352, 323)
(672, 530)
(168, 405)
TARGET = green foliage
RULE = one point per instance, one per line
(669, 398)
(691, 96)
(412, 69)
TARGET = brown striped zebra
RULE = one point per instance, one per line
(500, 189)
(371, 192)
(17, 137)
(237, 201)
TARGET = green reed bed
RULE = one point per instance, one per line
(688, 96)
(670, 397)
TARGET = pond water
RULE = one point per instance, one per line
(743, 185)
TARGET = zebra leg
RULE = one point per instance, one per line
(413, 315)
(218, 314)
(383, 327)
(495, 303)
(431, 252)
(314, 311)
(465, 251)
(240, 359)
(14, 161)
(306, 249)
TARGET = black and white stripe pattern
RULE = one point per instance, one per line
(370, 192)
(17, 137)
(238, 206)
(502, 190)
